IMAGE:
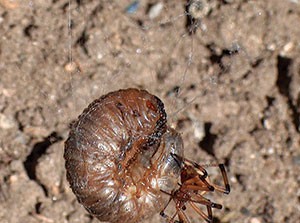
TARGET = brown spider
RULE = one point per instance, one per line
(194, 184)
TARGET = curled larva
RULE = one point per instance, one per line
(119, 156)
(125, 164)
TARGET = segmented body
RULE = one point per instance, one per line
(119, 156)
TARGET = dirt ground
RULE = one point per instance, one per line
(230, 81)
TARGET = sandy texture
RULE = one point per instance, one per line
(232, 89)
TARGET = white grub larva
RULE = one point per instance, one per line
(125, 164)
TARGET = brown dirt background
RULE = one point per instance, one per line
(238, 101)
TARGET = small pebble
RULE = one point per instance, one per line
(269, 123)
(13, 179)
(233, 179)
(133, 7)
(6, 122)
(199, 8)
(199, 131)
(71, 67)
(271, 47)
(287, 48)
(271, 151)
(255, 220)
(155, 10)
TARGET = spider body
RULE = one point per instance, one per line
(194, 184)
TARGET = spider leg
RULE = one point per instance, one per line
(207, 217)
(180, 212)
(165, 192)
(225, 179)
(182, 216)
(197, 198)
(162, 213)
(226, 188)
(172, 219)
(202, 184)
(197, 188)
(168, 218)
(199, 169)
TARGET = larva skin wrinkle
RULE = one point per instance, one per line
(118, 156)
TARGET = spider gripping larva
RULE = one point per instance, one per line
(124, 163)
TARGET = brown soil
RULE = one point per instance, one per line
(232, 89)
